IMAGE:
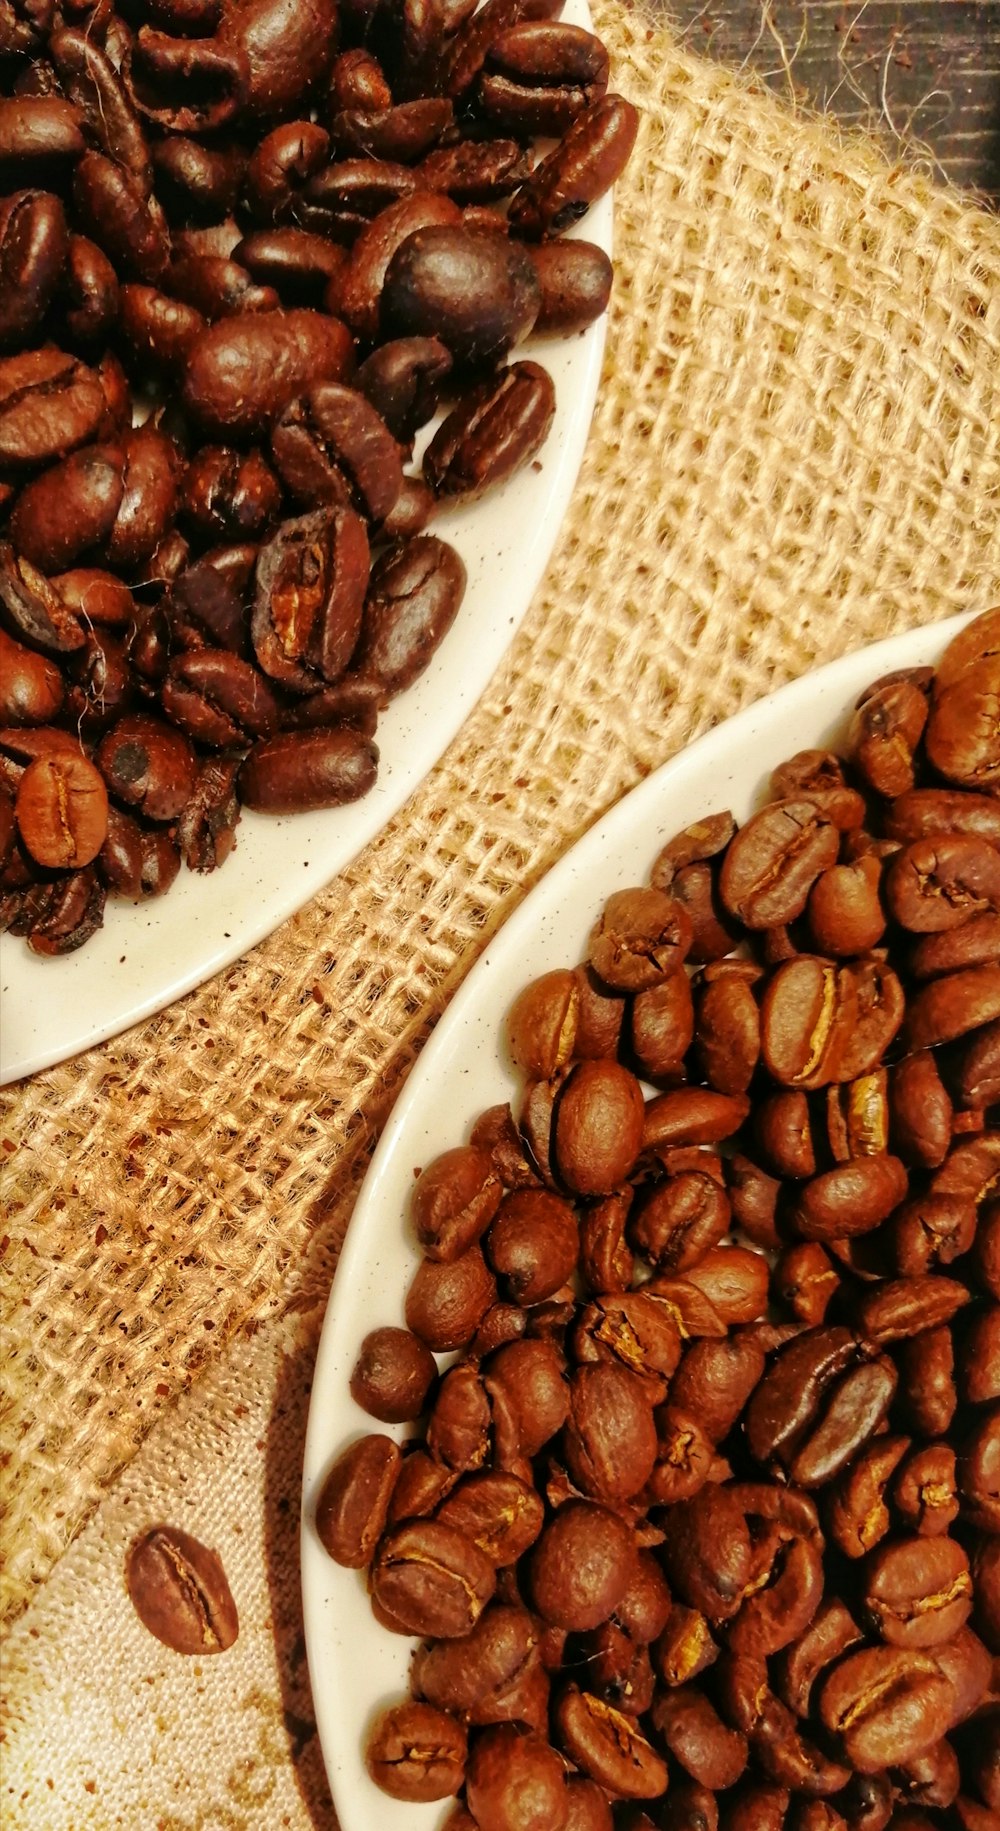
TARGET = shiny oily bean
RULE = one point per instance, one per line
(330, 445)
(592, 153)
(852, 1199)
(413, 597)
(49, 402)
(33, 248)
(69, 509)
(478, 293)
(243, 371)
(494, 430)
(540, 75)
(300, 770)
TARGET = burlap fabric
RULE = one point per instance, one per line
(796, 449)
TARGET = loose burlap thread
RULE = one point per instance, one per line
(796, 449)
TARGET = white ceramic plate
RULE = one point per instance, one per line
(146, 956)
(357, 1667)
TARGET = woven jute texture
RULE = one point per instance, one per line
(796, 449)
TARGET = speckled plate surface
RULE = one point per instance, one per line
(147, 955)
(357, 1667)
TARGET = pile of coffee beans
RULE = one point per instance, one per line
(249, 250)
(698, 1531)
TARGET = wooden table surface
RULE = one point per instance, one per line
(925, 74)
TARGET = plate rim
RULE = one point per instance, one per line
(319, 1448)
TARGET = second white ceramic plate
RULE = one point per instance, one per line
(357, 1667)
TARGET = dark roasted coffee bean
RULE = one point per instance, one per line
(478, 293)
(40, 138)
(196, 183)
(179, 1590)
(475, 172)
(592, 153)
(310, 589)
(69, 509)
(413, 597)
(33, 250)
(187, 85)
(218, 699)
(539, 75)
(494, 430)
(90, 79)
(243, 370)
(330, 445)
(228, 495)
(288, 51)
(298, 770)
(147, 765)
(115, 209)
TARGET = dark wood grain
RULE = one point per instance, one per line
(924, 74)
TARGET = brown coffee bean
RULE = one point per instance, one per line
(924, 1492)
(228, 495)
(979, 1473)
(243, 370)
(592, 153)
(598, 1128)
(179, 1591)
(539, 75)
(446, 1303)
(920, 1110)
(933, 885)
(541, 1024)
(783, 1133)
(608, 1747)
(49, 402)
(402, 379)
(610, 1442)
(532, 1244)
(926, 1364)
(62, 811)
(852, 1199)
(70, 508)
(845, 909)
(673, 1223)
(498, 1511)
(806, 1280)
(918, 1591)
(924, 812)
(330, 445)
(887, 1705)
(393, 1375)
(931, 1231)
(961, 738)
(148, 765)
(416, 1753)
(773, 861)
(697, 1738)
(33, 250)
(310, 586)
(581, 1565)
(496, 428)
(857, 1516)
(885, 732)
(414, 593)
(662, 1026)
(478, 294)
(454, 1201)
(431, 1579)
(89, 77)
(482, 1676)
(354, 1499)
(896, 1309)
(830, 1634)
(515, 1781)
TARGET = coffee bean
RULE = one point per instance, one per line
(416, 1753)
(354, 1499)
(62, 811)
(179, 1590)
